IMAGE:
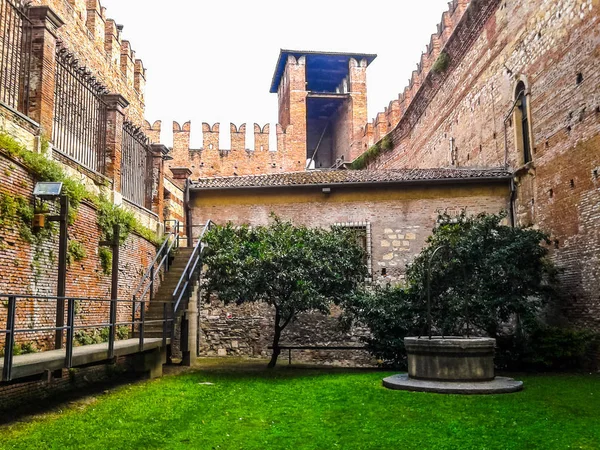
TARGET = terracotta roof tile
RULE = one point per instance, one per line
(341, 177)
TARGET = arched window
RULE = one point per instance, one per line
(521, 121)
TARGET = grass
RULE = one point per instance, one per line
(317, 409)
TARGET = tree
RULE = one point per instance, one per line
(293, 268)
(484, 276)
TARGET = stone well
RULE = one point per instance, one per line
(451, 365)
(450, 358)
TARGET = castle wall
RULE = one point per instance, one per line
(211, 160)
(553, 47)
(31, 268)
(96, 41)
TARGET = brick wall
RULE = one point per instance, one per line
(32, 269)
(97, 42)
(213, 160)
(400, 220)
(553, 48)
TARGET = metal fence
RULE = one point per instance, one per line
(135, 166)
(15, 54)
(79, 113)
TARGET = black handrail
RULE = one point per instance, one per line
(187, 276)
(171, 242)
(11, 326)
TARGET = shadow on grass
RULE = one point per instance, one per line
(56, 401)
(223, 368)
(239, 369)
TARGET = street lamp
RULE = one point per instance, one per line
(48, 191)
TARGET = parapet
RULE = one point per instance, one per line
(211, 135)
(379, 127)
(107, 55)
(213, 160)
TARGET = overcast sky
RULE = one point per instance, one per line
(214, 61)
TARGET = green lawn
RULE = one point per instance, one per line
(317, 409)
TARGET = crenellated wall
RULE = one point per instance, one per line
(388, 119)
(463, 116)
(212, 160)
(96, 41)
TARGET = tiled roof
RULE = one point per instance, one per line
(348, 177)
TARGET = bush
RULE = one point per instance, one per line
(548, 348)
(390, 313)
(486, 278)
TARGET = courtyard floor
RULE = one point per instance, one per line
(241, 405)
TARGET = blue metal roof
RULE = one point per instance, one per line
(324, 70)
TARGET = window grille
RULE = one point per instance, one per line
(363, 238)
(79, 113)
(135, 166)
(15, 54)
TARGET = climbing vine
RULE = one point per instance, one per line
(16, 209)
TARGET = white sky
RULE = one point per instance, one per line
(214, 61)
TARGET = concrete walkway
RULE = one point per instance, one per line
(37, 363)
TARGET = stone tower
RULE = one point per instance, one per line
(323, 96)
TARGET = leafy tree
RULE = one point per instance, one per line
(484, 276)
(292, 268)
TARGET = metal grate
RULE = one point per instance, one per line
(79, 113)
(135, 167)
(15, 54)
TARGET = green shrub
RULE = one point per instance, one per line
(484, 276)
(548, 348)
(391, 314)
(441, 63)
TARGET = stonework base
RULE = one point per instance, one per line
(499, 385)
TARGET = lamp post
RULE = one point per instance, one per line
(52, 191)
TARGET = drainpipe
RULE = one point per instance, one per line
(513, 192)
(187, 214)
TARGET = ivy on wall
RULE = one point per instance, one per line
(17, 209)
(373, 153)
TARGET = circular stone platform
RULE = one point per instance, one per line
(499, 385)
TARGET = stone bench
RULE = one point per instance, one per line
(289, 348)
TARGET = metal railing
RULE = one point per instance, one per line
(191, 271)
(135, 167)
(79, 113)
(12, 330)
(144, 292)
(15, 54)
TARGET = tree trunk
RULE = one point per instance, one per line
(276, 336)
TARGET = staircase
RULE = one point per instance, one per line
(155, 309)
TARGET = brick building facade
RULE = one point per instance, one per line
(85, 98)
(396, 210)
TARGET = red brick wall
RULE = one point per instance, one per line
(546, 45)
(95, 40)
(27, 270)
(211, 160)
